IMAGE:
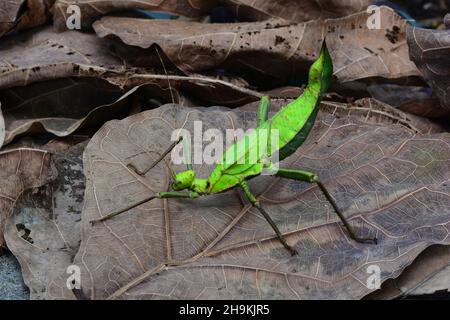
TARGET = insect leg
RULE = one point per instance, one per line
(245, 187)
(178, 194)
(263, 110)
(116, 213)
(159, 195)
(311, 177)
(161, 157)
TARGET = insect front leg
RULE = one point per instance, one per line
(245, 187)
(159, 195)
(311, 177)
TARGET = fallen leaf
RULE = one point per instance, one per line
(52, 56)
(295, 11)
(92, 9)
(258, 47)
(390, 181)
(428, 274)
(429, 49)
(8, 14)
(17, 15)
(360, 53)
(65, 106)
(52, 216)
(414, 99)
(20, 170)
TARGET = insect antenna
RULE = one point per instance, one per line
(165, 71)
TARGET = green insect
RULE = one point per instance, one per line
(292, 124)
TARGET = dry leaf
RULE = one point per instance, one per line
(359, 52)
(20, 169)
(428, 274)
(92, 9)
(390, 181)
(53, 56)
(62, 107)
(51, 217)
(274, 48)
(8, 14)
(294, 10)
(411, 99)
(17, 15)
(429, 49)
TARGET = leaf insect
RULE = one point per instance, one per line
(293, 123)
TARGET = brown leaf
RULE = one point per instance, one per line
(429, 49)
(53, 56)
(413, 99)
(294, 10)
(428, 274)
(195, 47)
(389, 180)
(358, 52)
(50, 106)
(51, 215)
(17, 15)
(92, 9)
(8, 14)
(20, 169)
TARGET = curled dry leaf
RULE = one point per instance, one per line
(23, 14)
(92, 9)
(44, 232)
(53, 56)
(20, 169)
(64, 106)
(274, 47)
(429, 49)
(390, 181)
(8, 14)
(413, 99)
(428, 274)
(294, 10)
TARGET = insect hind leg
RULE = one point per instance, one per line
(311, 177)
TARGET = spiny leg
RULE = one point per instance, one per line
(314, 178)
(245, 187)
(159, 195)
(263, 110)
(161, 157)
